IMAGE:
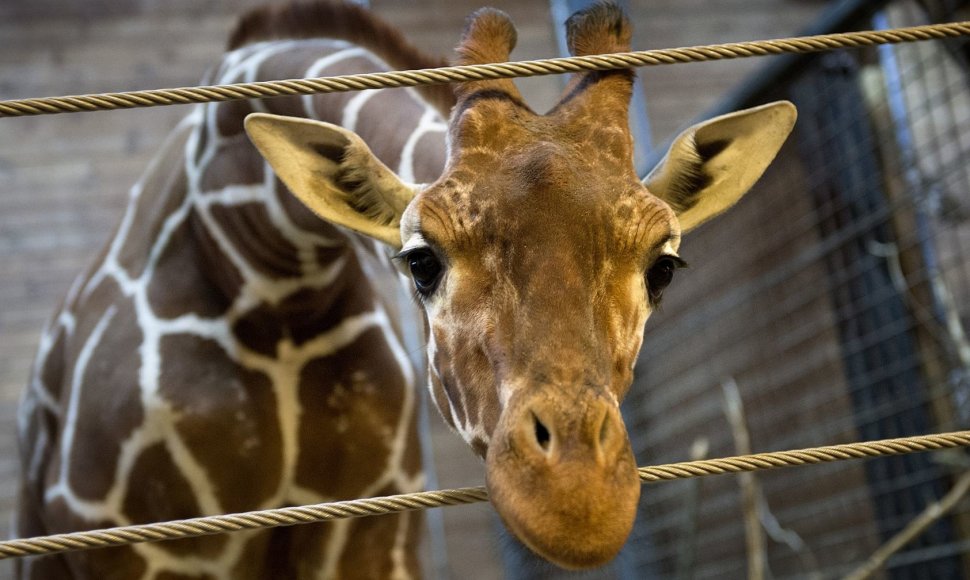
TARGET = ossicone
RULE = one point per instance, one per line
(598, 29)
(489, 37)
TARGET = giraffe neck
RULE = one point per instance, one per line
(221, 304)
(265, 250)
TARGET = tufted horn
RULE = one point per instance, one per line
(489, 37)
(599, 29)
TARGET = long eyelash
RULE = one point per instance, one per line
(402, 256)
(678, 261)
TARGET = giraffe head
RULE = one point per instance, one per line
(537, 256)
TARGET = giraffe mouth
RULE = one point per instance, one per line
(567, 487)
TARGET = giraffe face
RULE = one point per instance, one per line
(537, 258)
(531, 256)
(536, 263)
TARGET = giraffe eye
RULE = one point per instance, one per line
(661, 274)
(425, 270)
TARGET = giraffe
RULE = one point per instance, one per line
(230, 350)
(537, 257)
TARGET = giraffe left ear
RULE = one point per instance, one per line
(333, 172)
(711, 165)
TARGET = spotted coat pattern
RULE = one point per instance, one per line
(229, 351)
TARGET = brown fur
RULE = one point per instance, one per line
(489, 37)
(599, 29)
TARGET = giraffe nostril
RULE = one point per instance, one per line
(542, 435)
(605, 431)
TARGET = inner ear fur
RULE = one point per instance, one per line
(333, 172)
(711, 165)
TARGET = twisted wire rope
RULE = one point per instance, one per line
(396, 79)
(290, 516)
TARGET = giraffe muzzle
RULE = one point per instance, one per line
(562, 476)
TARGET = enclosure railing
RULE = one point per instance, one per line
(273, 518)
(443, 75)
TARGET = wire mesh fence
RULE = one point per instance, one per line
(836, 299)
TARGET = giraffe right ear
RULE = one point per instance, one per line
(712, 164)
(333, 172)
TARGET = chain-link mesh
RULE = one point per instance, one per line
(836, 298)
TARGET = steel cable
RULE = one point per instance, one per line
(290, 516)
(395, 79)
